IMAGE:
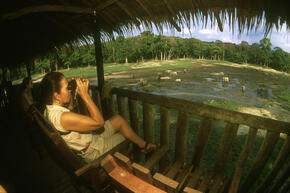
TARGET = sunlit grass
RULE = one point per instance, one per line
(230, 105)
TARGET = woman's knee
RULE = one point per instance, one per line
(117, 121)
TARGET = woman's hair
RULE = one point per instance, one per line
(49, 85)
(25, 82)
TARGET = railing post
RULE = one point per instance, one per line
(122, 107)
(134, 122)
(164, 135)
(148, 122)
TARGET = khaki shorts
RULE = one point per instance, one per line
(102, 143)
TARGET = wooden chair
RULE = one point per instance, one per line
(90, 174)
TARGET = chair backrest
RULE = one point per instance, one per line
(55, 143)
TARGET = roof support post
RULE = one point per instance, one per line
(100, 68)
(99, 59)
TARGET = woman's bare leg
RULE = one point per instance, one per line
(121, 125)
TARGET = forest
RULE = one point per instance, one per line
(148, 46)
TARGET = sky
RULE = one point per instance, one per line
(279, 38)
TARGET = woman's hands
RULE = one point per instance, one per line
(83, 86)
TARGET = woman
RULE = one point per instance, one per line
(76, 129)
(26, 95)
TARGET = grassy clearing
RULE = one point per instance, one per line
(230, 105)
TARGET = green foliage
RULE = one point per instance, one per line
(230, 105)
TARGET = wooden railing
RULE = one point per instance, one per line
(129, 104)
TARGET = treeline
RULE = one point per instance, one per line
(148, 46)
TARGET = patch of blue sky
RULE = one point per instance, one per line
(279, 38)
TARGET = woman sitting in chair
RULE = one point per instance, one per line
(76, 129)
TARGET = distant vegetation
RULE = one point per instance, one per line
(148, 46)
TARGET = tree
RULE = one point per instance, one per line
(265, 54)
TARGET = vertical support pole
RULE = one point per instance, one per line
(164, 135)
(100, 66)
(134, 122)
(99, 58)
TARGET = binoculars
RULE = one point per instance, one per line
(72, 85)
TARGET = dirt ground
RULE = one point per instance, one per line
(256, 88)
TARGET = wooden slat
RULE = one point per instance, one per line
(104, 5)
(208, 111)
(122, 107)
(111, 106)
(217, 184)
(141, 3)
(206, 180)
(261, 159)
(124, 8)
(181, 135)
(169, 7)
(182, 177)
(165, 183)
(225, 147)
(281, 180)
(241, 161)
(133, 112)
(123, 161)
(174, 169)
(156, 157)
(96, 98)
(164, 135)
(125, 181)
(283, 155)
(190, 190)
(148, 122)
(142, 173)
(193, 181)
(205, 127)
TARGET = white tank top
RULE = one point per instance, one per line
(74, 139)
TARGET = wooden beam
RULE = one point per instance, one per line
(105, 5)
(190, 190)
(169, 7)
(45, 9)
(55, 8)
(125, 9)
(165, 183)
(156, 157)
(141, 3)
(142, 172)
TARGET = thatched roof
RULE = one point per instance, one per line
(32, 27)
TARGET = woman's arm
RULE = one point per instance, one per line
(78, 122)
